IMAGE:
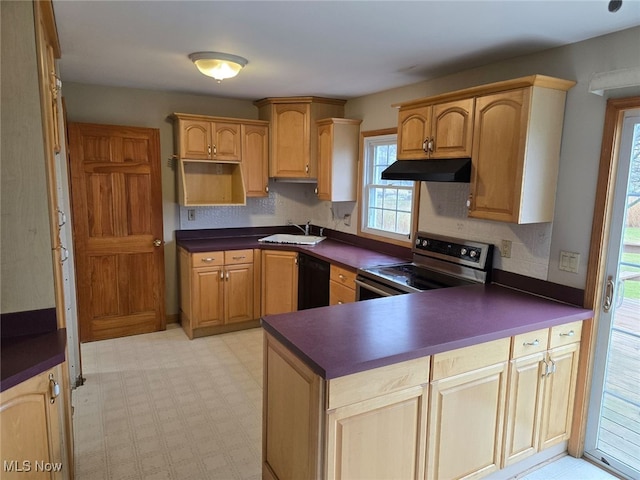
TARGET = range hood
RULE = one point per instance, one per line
(441, 170)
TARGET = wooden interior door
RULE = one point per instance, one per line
(116, 196)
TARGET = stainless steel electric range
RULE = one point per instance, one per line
(438, 262)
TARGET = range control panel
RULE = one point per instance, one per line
(455, 250)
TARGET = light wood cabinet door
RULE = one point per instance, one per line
(31, 429)
(195, 139)
(383, 437)
(290, 146)
(560, 386)
(238, 293)
(466, 420)
(291, 424)
(279, 282)
(452, 129)
(339, 293)
(414, 130)
(255, 159)
(208, 296)
(524, 408)
(338, 146)
(226, 142)
(498, 154)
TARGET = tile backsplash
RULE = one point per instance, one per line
(443, 210)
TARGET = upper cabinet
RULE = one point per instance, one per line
(338, 140)
(221, 160)
(511, 130)
(293, 133)
(443, 130)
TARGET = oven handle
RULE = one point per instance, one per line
(368, 286)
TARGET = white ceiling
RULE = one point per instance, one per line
(341, 49)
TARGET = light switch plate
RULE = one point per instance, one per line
(569, 261)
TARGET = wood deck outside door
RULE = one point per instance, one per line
(116, 196)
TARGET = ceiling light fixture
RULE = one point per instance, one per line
(218, 65)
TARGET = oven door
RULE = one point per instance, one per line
(366, 289)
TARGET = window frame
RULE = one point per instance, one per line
(363, 186)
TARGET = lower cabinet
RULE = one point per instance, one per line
(32, 420)
(342, 287)
(460, 414)
(467, 399)
(217, 291)
(542, 380)
(279, 281)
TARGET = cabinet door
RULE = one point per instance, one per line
(560, 386)
(383, 437)
(414, 127)
(195, 139)
(325, 161)
(255, 159)
(31, 429)
(290, 154)
(499, 142)
(524, 408)
(339, 293)
(279, 282)
(207, 297)
(226, 142)
(238, 293)
(466, 420)
(452, 129)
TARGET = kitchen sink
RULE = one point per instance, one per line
(294, 239)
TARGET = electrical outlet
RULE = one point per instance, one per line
(505, 249)
(569, 261)
(347, 219)
(191, 214)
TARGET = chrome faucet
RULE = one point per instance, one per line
(304, 230)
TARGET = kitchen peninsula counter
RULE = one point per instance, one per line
(345, 339)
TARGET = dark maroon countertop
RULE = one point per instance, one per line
(26, 356)
(344, 339)
(334, 251)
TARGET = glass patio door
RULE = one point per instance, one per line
(613, 427)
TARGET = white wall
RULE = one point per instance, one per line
(26, 261)
(579, 159)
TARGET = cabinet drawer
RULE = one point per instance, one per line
(207, 259)
(343, 276)
(233, 257)
(565, 334)
(454, 362)
(339, 293)
(530, 342)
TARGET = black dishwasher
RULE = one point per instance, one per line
(313, 282)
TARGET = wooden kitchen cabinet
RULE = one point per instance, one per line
(338, 146)
(541, 390)
(293, 133)
(208, 138)
(342, 286)
(32, 420)
(516, 153)
(442, 130)
(255, 158)
(216, 291)
(279, 281)
(467, 408)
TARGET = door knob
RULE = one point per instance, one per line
(157, 242)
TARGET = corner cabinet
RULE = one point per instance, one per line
(217, 291)
(435, 131)
(511, 130)
(293, 133)
(221, 161)
(338, 142)
(32, 419)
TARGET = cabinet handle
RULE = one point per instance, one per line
(532, 344)
(209, 149)
(553, 366)
(546, 368)
(227, 276)
(315, 190)
(239, 257)
(339, 302)
(430, 145)
(221, 275)
(208, 260)
(54, 389)
(469, 200)
(215, 150)
(306, 168)
(425, 145)
(341, 276)
(570, 333)
(266, 189)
